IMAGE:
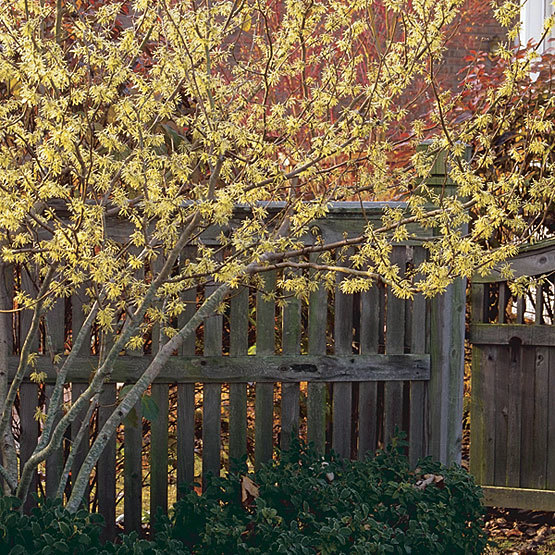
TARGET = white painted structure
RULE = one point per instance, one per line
(533, 14)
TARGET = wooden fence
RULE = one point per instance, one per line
(349, 368)
(512, 449)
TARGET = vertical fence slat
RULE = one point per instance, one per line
(445, 389)
(132, 457)
(514, 379)
(291, 334)
(159, 429)
(106, 466)
(520, 309)
(541, 418)
(159, 451)
(238, 345)
(527, 478)
(395, 342)
(371, 309)
(82, 448)
(212, 394)
(77, 319)
(264, 401)
(316, 393)
(6, 346)
(477, 422)
(502, 408)
(133, 469)
(186, 406)
(504, 296)
(55, 332)
(185, 436)
(550, 479)
(28, 402)
(418, 389)
(28, 392)
(343, 391)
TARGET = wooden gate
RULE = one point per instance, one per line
(343, 370)
(512, 449)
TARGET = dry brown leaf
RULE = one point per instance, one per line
(249, 490)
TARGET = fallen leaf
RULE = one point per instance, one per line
(249, 490)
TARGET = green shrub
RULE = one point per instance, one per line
(300, 504)
(306, 504)
(48, 529)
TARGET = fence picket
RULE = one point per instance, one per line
(342, 392)
(133, 470)
(264, 400)
(29, 431)
(316, 392)
(159, 451)
(291, 333)
(212, 393)
(28, 392)
(77, 389)
(515, 376)
(238, 345)
(527, 423)
(500, 422)
(55, 334)
(395, 341)
(550, 478)
(186, 405)
(106, 466)
(371, 318)
(418, 389)
(541, 418)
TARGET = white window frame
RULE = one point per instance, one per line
(532, 15)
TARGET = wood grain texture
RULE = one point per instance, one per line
(527, 479)
(316, 393)
(501, 334)
(290, 392)
(519, 498)
(212, 394)
(515, 382)
(159, 452)
(342, 392)
(418, 389)
(133, 470)
(185, 437)
(371, 310)
(29, 432)
(106, 466)
(264, 400)
(186, 400)
(550, 478)
(501, 416)
(238, 346)
(541, 418)
(243, 369)
(395, 344)
(55, 340)
(82, 448)
(447, 373)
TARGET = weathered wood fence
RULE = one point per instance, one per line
(349, 368)
(512, 449)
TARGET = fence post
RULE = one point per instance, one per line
(447, 330)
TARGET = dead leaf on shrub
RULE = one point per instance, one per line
(249, 491)
(429, 479)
